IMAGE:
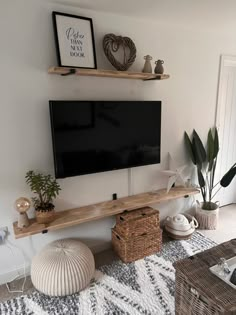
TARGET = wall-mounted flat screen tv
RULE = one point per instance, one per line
(98, 136)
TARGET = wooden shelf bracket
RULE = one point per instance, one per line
(70, 71)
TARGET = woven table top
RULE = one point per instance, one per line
(196, 273)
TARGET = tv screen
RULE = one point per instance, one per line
(97, 136)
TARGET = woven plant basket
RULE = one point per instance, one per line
(45, 216)
(136, 247)
(136, 222)
(207, 219)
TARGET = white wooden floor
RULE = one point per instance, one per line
(227, 225)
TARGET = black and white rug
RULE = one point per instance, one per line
(144, 287)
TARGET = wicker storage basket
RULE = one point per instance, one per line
(136, 247)
(198, 291)
(137, 222)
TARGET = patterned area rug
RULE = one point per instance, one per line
(144, 287)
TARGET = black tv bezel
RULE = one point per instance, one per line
(59, 176)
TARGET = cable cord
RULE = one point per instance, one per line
(9, 246)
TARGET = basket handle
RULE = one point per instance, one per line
(117, 236)
(199, 296)
(121, 218)
(143, 234)
(195, 223)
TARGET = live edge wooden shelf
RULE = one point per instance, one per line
(101, 210)
(107, 73)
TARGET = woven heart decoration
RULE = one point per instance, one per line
(112, 43)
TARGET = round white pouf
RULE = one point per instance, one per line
(63, 267)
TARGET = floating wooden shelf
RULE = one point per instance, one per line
(107, 73)
(101, 210)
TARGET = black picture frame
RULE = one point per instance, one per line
(74, 39)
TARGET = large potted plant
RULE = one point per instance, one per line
(46, 188)
(205, 161)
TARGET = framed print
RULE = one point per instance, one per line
(74, 40)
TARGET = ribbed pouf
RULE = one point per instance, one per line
(63, 267)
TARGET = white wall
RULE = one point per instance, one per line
(191, 53)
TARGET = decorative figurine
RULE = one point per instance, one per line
(147, 68)
(159, 69)
(22, 205)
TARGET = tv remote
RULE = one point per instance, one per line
(233, 277)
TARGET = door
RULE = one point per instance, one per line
(226, 124)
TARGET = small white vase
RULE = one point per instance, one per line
(207, 219)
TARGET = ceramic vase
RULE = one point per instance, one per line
(159, 69)
(147, 68)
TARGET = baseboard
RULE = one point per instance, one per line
(100, 247)
(12, 274)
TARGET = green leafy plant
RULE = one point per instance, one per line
(205, 161)
(45, 187)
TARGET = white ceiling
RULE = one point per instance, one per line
(161, 9)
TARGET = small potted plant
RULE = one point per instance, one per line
(46, 188)
(205, 161)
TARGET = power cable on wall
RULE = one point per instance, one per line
(10, 246)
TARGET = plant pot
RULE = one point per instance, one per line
(44, 217)
(207, 219)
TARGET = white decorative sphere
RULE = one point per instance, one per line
(63, 267)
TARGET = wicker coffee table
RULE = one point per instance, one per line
(198, 291)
